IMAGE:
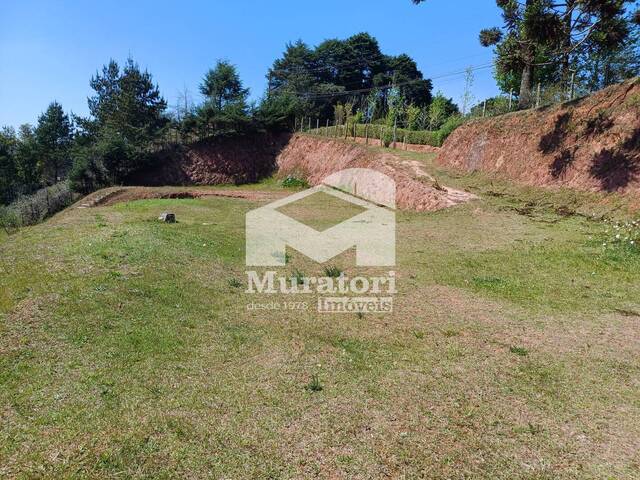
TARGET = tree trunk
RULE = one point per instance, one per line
(526, 86)
(566, 43)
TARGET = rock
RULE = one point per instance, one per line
(167, 217)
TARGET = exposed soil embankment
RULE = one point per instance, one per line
(315, 158)
(215, 161)
(588, 144)
(247, 159)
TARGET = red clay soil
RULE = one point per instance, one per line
(215, 161)
(314, 158)
(589, 144)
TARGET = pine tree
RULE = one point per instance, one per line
(53, 137)
(8, 170)
(127, 116)
(222, 86)
(543, 38)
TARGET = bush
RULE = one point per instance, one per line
(32, 209)
(88, 172)
(294, 182)
(447, 129)
(9, 220)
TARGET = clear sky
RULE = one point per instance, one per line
(50, 49)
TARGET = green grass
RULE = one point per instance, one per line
(127, 349)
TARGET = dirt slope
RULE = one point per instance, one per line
(314, 158)
(215, 161)
(589, 144)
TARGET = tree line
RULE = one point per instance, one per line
(129, 120)
(589, 42)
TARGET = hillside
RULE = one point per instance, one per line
(589, 144)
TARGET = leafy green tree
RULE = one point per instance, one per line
(543, 33)
(222, 86)
(600, 66)
(127, 117)
(225, 107)
(542, 38)
(28, 163)
(339, 71)
(396, 108)
(53, 136)
(8, 170)
(88, 172)
(278, 111)
(413, 117)
(128, 102)
(402, 72)
(440, 109)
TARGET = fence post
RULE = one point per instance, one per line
(395, 127)
(366, 134)
(318, 126)
(510, 99)
(404, 142)
(381, 136)
(327, 129)
(354, 131)
(538, 96)
(484, 109)
(573, 84)
(309, 125)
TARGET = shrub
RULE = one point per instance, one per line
(332, 271)
(294, 182)
(88, 172)
(32, 209)
(448, 128)
(9, 220)
(314, 384)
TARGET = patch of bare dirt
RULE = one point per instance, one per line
(589, 144)
(315, 158)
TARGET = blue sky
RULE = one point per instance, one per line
(50, 49)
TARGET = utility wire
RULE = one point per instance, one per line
(319, 95)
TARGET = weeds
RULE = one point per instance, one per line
(314, 384)
(520, 351)
(298, 277)
(294, 182)
(234, 283)
(332, 271)
(623, 236)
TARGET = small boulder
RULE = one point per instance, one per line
(167, 217)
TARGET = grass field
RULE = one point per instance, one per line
(127, 350)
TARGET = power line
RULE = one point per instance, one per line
(318, 95)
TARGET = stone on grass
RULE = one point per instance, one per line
(167, 217)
